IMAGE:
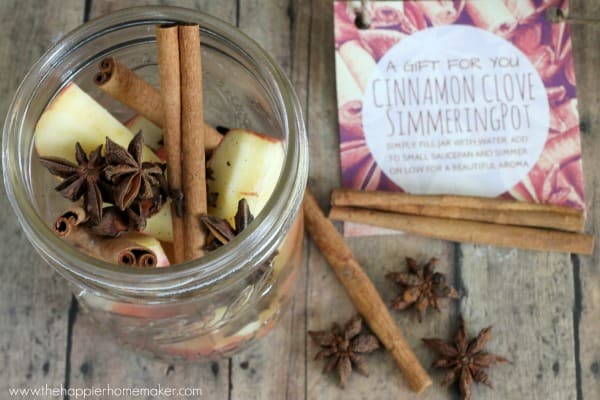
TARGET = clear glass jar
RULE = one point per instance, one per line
(198, 310)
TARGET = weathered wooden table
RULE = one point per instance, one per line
(545, 308)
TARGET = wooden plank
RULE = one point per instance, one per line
(226, 10)
(528, 298)
(98, 360)
(587, 269)
(34, 301)
(277, 363)
(327, 300)
(553, 300)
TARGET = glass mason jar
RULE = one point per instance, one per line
(201, 309)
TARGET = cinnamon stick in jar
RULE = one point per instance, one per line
(120, 251)
(124, 250)
(362, 292)
(470, 231)
(69, 220)
(192, 140)
(125, 86)
(497, 211)
(167, 38)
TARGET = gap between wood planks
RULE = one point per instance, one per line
(577, 309)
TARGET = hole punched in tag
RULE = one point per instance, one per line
(363, 19)
(556, 15)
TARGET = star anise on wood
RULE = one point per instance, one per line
(343, 348)
(466, 359)
(422, 287)
(133, 179)
(80, 179)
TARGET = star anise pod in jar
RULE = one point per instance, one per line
(114, 222)
(142, 209)
(343, 348)
(80, 179)
(421, 286)
(220, 230)
(132, 178)
(466, 359)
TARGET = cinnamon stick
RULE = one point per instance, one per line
(362, 292)
(125, 86)
(497, 211)
(192, 140)
(471, 231)
(67, 221)
(113, 250)
(169, 74)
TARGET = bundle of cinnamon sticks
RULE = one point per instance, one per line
(497, 222)
(180, 70)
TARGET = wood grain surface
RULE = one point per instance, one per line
(544, 307)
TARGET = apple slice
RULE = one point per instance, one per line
(152, 133)
(246, 164)
(160, 225)
(73, 116)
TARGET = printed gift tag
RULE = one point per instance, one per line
(472, 97)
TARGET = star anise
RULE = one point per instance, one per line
(221, 231)
(466, 359)
(422, 287)
(80, 179)
(113, 223)
(343, 347)
(142, 209)
(133, 179)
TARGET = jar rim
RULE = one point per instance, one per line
(252, 246)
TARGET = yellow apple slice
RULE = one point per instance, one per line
(246, 164)
(160, 225)
(152, 133)
(73, 116)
